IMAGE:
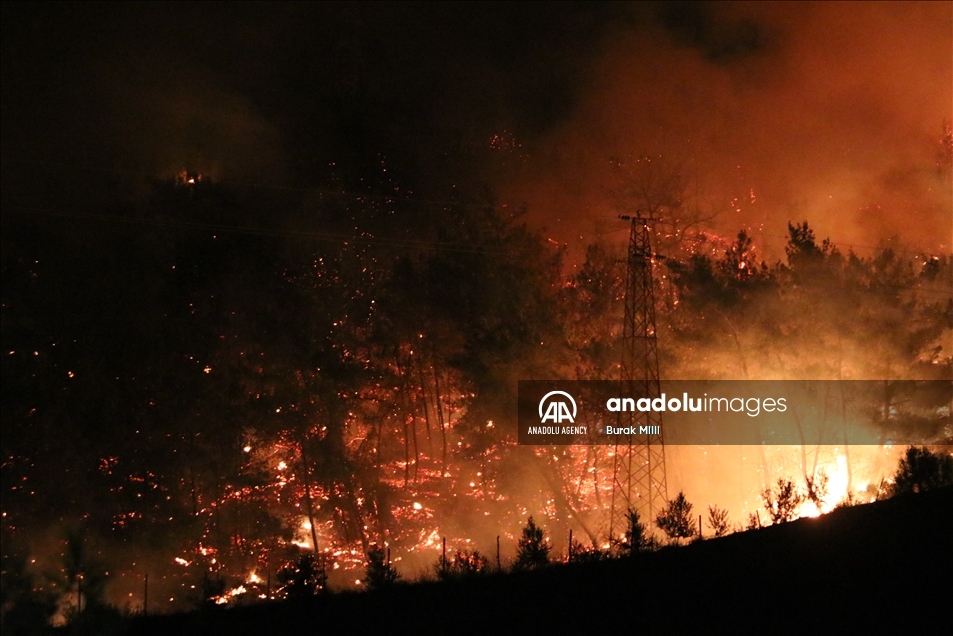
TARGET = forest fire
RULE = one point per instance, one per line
(419, 530)
(294, 365)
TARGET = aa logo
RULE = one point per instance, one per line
(555, 407)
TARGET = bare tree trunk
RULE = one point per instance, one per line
(413, 428)
(738, 347)
(195, 502)
(744, 373)
(423, 393)
(800, 432)
(850, 470)
(403, 404)
(824, 418)
(309, 506)
(217, 521)
(440, 420)
(843, 415)
(582, 475)
(595, 474)
(449, 424)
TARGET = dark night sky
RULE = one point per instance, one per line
(283, 89)
(822, 112)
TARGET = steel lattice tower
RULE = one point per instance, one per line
(638, 469)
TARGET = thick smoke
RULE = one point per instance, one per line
(830, 113)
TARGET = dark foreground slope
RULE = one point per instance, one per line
(872, 567)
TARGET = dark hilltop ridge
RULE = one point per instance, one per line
(871, 567)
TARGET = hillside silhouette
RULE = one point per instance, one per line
(874, 566)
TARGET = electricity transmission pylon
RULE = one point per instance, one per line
(638, 468)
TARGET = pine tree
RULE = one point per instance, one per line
(532, 550)
(380, 573)
(637, 536)
(921, 469)
(676, 519)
